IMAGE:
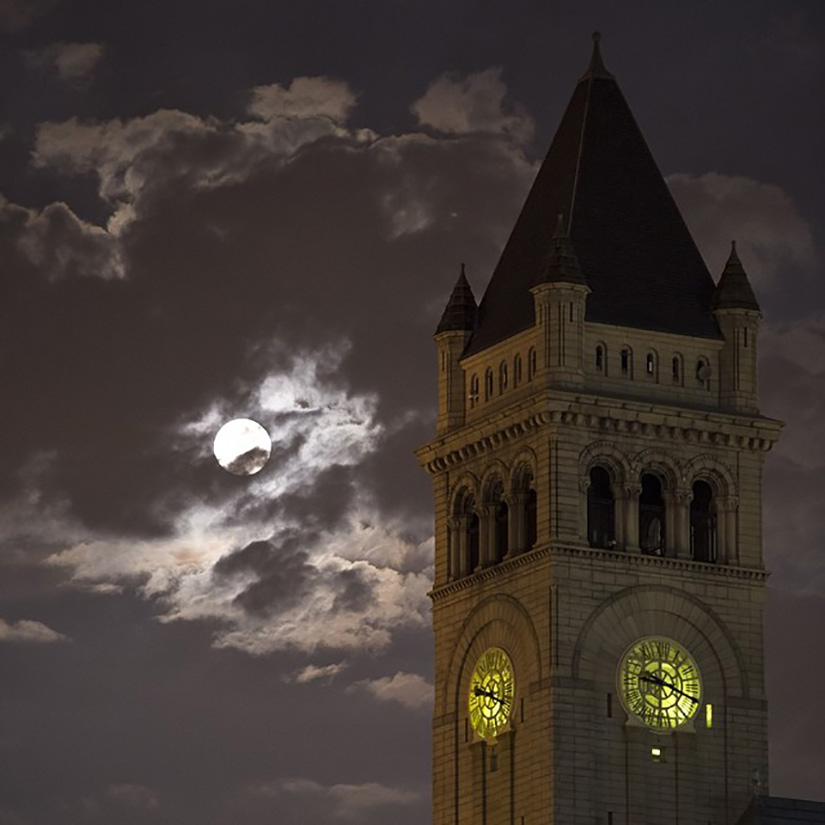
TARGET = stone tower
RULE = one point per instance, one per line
(599, 582)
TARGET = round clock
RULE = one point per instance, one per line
(659, 683)
(492, 688)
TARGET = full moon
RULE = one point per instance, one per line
(242, 447)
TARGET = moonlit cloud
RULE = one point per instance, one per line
(305, 97)
(73, 62)
(26, 631)
(57, 244)
(313, 673)
(770, 232)
(277, 581)
(475, 103)
(408, 689)
(349, 802)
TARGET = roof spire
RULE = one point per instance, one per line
(734, 290)
(461, 310)
(562, 263)
(596, 67)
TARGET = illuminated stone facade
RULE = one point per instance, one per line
(596, 484)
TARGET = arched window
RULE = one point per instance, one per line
(531, 363)
(599, 358)
(703, 541)
(600, 509)
(502, 377)
(651, 516)
(517, 370)
(650, 366)
(473, 391)
(676, 369)
(488, 384)
(703, 373)
(626, 361)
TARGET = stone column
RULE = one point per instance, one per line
(681, 544)
(727, 530)
(458, 546)
(619, 515)
(584, 510)
(486, 535)
(516, 524)
(631, 519)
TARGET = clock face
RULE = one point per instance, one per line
(660, 683)
(492, 688)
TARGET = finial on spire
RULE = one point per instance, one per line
(596, 67)
(462, 268)
(733, 257)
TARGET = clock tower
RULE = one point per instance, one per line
(599, 581)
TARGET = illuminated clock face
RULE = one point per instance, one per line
(492, 688)
(660, 683)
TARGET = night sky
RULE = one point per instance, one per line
(214, 209)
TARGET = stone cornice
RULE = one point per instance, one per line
(622, 418)
(620, 557)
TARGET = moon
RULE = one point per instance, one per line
(242, 447)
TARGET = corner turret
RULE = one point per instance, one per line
(560, 302)
(737, 312)
(452, 334)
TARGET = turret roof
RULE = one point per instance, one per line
(734, 290)
(461, 310)
(642, 265)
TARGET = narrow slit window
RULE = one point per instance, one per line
(600, 358)
(625, 361)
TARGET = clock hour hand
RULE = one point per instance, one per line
(481, 692)
(655, 680)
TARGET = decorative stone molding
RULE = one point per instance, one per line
(710, 433)
(619, 557)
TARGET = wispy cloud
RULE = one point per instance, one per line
(27, 631)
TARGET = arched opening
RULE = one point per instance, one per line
(600, 509)
(626, 361)
(516, 370)
(502, 377)
(531, 363)
(473, 557)
(651, 516)
(473, 391)
(676, 369)
(599, 358)
(488, 384)
(703, 536)
(499, 514)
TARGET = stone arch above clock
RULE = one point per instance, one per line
(659, 610)
(497, 621)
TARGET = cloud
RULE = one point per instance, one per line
(57, 244)
(29, 632)
(73, 62)
(304, 98)
(342, 801)
(19, 14)
(475, 103)
(408, 689)
(312, 673)
(133, 796)
(761, 217)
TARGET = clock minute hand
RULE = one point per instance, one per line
(657, 681)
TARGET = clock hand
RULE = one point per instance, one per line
(655, 680)
(479, 692)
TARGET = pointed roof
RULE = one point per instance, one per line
(562, 264)
(734, 290)
(642, 265)
(460, 312)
